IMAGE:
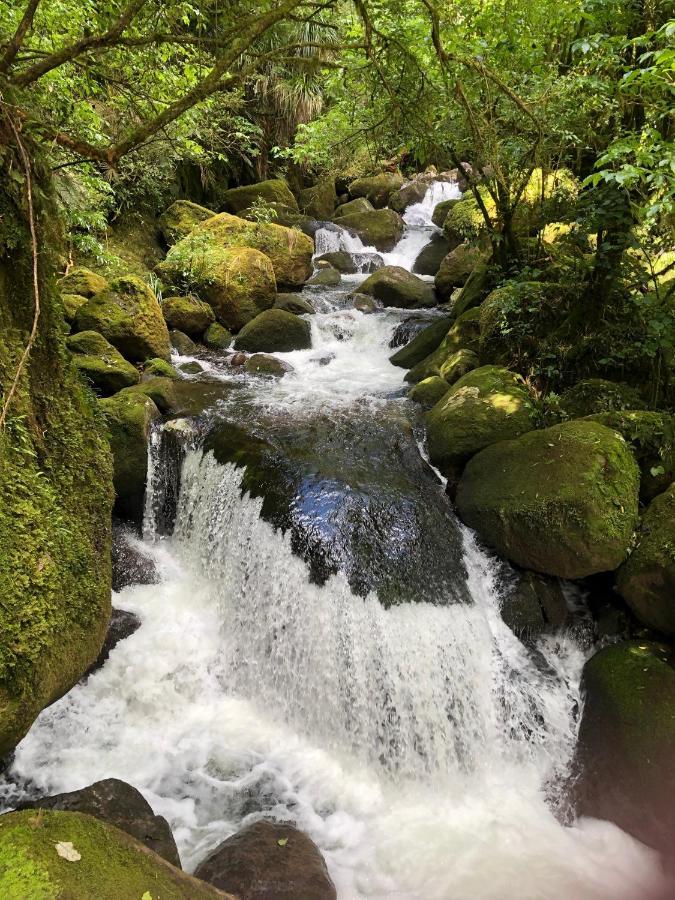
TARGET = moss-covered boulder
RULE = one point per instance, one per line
(457, 365)
(182, 344)
(626, 740)
(486, 405)
(269, 366)
(395, 286)
(430, 257)
(275, 190)
(319, 200)
(376, 188)
(562, 501)
(340, 260)
(161, 389)
(274, 331)
(474, 291)
(441, 210)
(128, 314)
(424, 343)
(515, 318)
(325, 276)
(71, 303)
(216, 337)
(189, 261)
(597, 395)
(463, 336)
(83, 282)
(54, 855)
(180, 218)
(158, 368)
(429, 391)
(100, 363)
(188, 314)
(646, 580)
(651, 436)
(129, 416)
(294, 303)
(360, 205)
(456, 268)
(381, 228)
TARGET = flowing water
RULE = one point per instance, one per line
(422, 746)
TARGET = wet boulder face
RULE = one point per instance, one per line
(325, 276)
(82, 282)
(429, 391)
(180, 218)
(626, 740)
(485, 406)
(128, 315)
(216, 337)
(268, 366)
(454, 357)
(188, 314)
(382, 228)
(119, 804)
(319, 200)
(181, 343)
(597, 395)
(100, 363)
(360, 205)
(646, 580)
(424, 343)
(455, 269)
(274, 331)
(429, 259)
(536, 605)
(562, 501)
(189, 261)
(340, 260)
(122, 625)
(395, 286)
(294, 303)
(376, 188)
(275, 190)
(55, 854)
(441, 211)
(270, 861)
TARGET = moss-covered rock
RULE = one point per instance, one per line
(71, 303)
(161, 389)
(597, 395)
(109, 864)
(274, 331)
(100, 363)
(455, 356)
(626, 740)
(430, 257)
(515, 318)
(395, 286)
(456, 268)
(129, 416)
(158, 368)
(376, 188)
(319, 200)
(474, 291)
(422, 344)
(360, 205)
(562, 501)
(294, 303)
(340, 260)
(128, 315)
(325, 276)
(465, 333)
(180, 218)
(182, 344)
(83, 282)
(441, 211)
(262, 364)
(382, 228)
(486, 405)
(646, 580)
(188, 314)
(188, 262)
(457, 365)
(275, 190)
(429, 391)
(216, 337)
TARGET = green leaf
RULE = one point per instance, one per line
(282, 842)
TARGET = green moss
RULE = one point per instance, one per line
(180, 218)
(381, 228)
(422, 344)
(457, 267)
(395, 286)
(596, 395)
(275, 190)
(188, 314)
(100, 363)
(360, 205)
(112, 864)
(454, 363)
(216, 337)
(274, 330)
(319, 200)
(429, 391)
(83, 282)
(376, 188)
(441, 211)
(160, 368)
(71, 303)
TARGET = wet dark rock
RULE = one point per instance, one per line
(122, 625)
(536, 605)
(422, 344)
(270, 366)
(408, 329)
(121, 805)
(269, 861)
(395, 286)
(129, 564)
(340, 260)
(294, 303)
(182, 343)
(429, 259)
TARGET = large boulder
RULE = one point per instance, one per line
(534, 606)
(216, 337)
(129, 416)
(269, 861)
(319, 200)
(273, 191)
(128, 315)
(487, 405)
(473, 292)
(424, 343)
(360, 205)
(238, 283)
(381, 228)
(69, 855)
(462, 339)
(456, 268)
(516, 317)
(429, 259)
(340, 260)
(119, 804)
(646, 580)
(626, 740)
(82, 282)
(562, 501)
(441, 211)
(429, 391)
(395, 286)
(289, 250)
(411, 192)
(100, 363)
(294, 303)
(188, 314)
(376, 188)
(180, 218)
(274, 331)
(597, 395)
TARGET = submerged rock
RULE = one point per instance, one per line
(562, 501)
(381, 228)
(274, 331)
(269, 861)
(100, 363)
(180, 218)
(626, 740)
(395, 286)
(188, 314)
(376, 188)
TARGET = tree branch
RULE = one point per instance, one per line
(15, 43)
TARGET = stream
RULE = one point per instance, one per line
(335, 655)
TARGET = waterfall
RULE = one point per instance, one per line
(419, 214)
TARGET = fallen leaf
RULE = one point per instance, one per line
(66, 850)
(282, 842)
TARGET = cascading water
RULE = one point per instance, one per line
(421, 746)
